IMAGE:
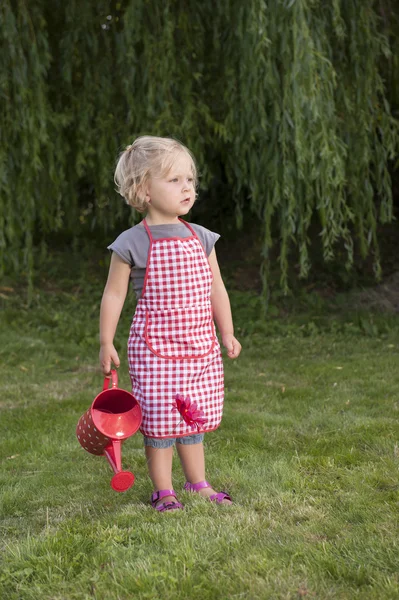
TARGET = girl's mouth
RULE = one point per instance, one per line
(186, 201)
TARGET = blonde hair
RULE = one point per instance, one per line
(148, 156)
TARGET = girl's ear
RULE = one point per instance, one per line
(147, 191)
(144, 193)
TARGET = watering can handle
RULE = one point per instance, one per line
(113, 377)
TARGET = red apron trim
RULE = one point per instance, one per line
(148, 258)
(172, 436)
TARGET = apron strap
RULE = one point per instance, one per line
(181, 221)
(190, 228)
(148, 230)
(195, 235)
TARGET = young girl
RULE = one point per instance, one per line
(175, 362)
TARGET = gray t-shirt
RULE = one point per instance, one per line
(133, 244)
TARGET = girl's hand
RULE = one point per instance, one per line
(232, 345)
(108, 355)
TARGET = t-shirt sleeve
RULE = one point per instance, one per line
(122, 246)
(207, 238)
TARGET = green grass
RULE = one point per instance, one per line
(308, 448)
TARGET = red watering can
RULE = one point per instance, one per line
(114, 416)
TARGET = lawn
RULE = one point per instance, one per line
(308, 449)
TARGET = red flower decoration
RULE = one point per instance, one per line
(190, 412)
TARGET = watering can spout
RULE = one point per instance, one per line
(122, 480)
(113, 416)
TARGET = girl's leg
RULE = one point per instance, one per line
(192, 458)
(159, 462)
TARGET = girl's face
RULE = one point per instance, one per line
(172, 195)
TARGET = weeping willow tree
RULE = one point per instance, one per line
(292, 99)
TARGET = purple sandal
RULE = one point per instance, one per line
(156, 496)
(196, 487)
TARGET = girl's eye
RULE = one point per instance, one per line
(190, 179)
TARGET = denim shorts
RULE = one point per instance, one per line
(162, 443)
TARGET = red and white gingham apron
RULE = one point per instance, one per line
(172, 347)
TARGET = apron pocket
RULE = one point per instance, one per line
(180, 333)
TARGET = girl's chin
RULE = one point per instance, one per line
(185, 208)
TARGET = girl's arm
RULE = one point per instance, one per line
(222, 311)
(111, 307)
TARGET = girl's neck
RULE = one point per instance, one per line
(159, 220)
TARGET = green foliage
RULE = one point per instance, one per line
(287, 102)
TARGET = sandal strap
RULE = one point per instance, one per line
(168, 506)
(195, 487)
(219, 497)
(159, 494)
